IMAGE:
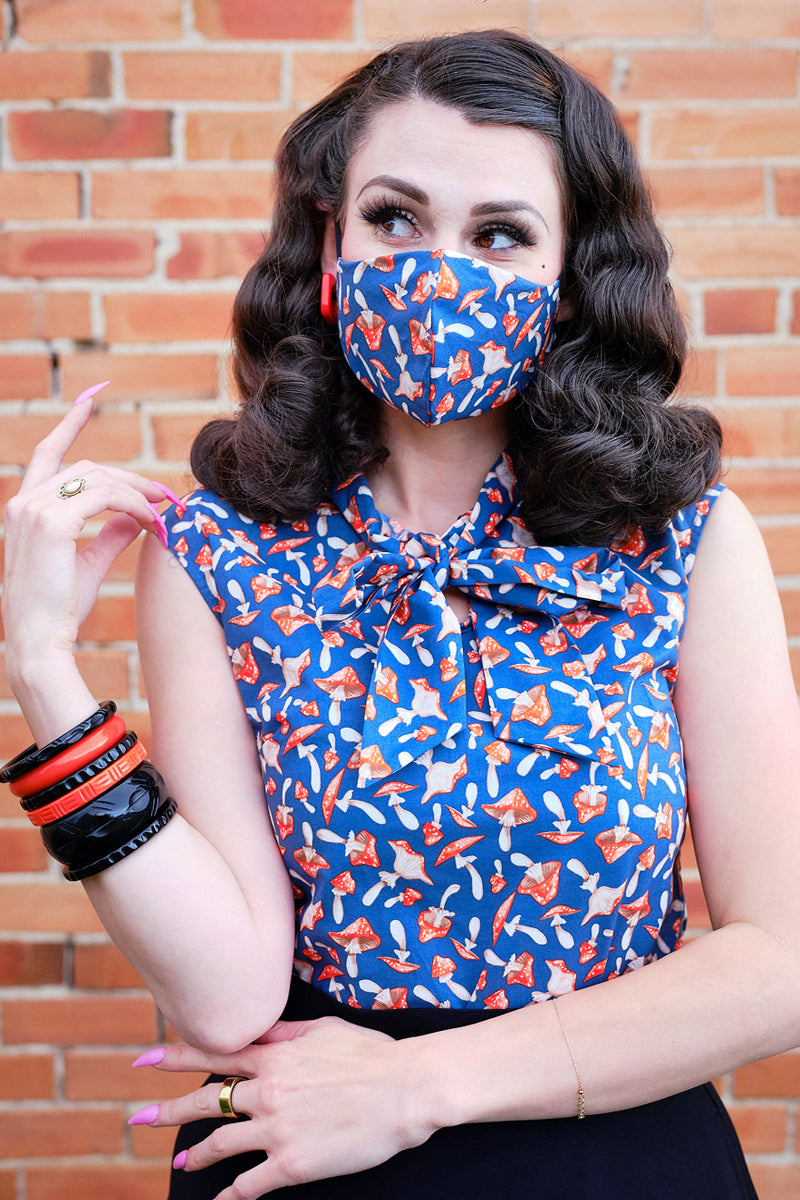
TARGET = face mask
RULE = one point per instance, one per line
(439, 335)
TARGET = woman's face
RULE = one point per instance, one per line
(425, 178)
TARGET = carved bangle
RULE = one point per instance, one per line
(94, 787)
(72, 758)
(34, 756)
(85, 773)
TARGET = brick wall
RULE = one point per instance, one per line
(136, 147)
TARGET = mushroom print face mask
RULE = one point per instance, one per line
(441, 336)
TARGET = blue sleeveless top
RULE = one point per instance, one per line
(479, 814)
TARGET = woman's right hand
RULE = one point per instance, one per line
(50, 585)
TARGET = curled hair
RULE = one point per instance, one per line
(598, 446)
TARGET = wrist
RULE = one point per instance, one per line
(50, 692)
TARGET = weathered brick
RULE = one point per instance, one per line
(24, 376)
(775, 1076)
(790, 603)
(235, 135)
(55, 75)
(767, 20)
(105, 671)
(52, 907)
(315, 73)
(696, 904)
(776, 1181)
(766, 489)
(31, 964)
(97, 20)
(142, 376)
(762, 370)
(116, 253)
(190, 316)
(700, 191)
(109, 436)
(79, 133)
(173, 434)
(710, 73)
(39, 314)
(39, 196)
(720, 252)
(47, 1133)
(190, 194)
(151, 1143)
(92, 1075)
(21, 849)
(102, 966)
(699, 373)
(795, 326)
(762, 1128)
(111, 620)
(8, 1184)
(122, 568)
(387, 20)
(740, 310)
(618, 18)
(73, 1020)
(27, 1077)
(783, 547)
(243, 19)
(96, 1181)
(210, 255)
(729, 132)
(198, 75)
(787, 190)
(761, 430)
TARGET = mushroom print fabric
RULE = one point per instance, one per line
(480, 814)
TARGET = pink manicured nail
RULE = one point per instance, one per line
(168, 492)
(145, 1116)
(179, 1161)
(89, 392)
(150, 1057)
(160, 529)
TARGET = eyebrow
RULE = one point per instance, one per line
(487, 208)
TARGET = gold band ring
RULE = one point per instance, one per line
(226, 1097)
(72, 487)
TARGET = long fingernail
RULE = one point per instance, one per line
(145, 1116)
(160, 529)
(179, 1161)
(150, 1057)
(89, 392)
(168, 492)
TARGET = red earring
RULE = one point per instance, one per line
(327, 298)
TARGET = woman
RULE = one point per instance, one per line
(456, 643)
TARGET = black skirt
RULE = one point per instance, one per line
(681, 1148)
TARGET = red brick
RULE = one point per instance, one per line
(752, 250)
(200, 75)
(105, 671)
(761, 430)
(53, 907)
(388, 20)
(173, 434)
(187, 316)
(740, 310)
(769, 19)
(111, 620)
(775, 1076)
(39, 314)
(31, 964)
(109, 436)
(109, 1076)
(617, 18)
(235, 135)
(696, 909)
(8, 1185)
(215, 255)
(150, 1143)
(315, 73)
(73, 1020)
(79, 133)
(699, 191)
(120, 1180)
(45, 1133)
(103, 966)
(699, 373)
(594, 62)
(779, 1181)
(14, 734)
(123, 567)
(39, 196)
(710, 73)
(114, 253)
(27, 1077)
(97, 20)
(787, 190)
(189, 194)
(728, 132)
(762, 370)
(243, 19)
(21, 849)
(766, 489)
(761, 1127)
(795, 326)
(142, 376)
(24, 376)
(790, 603)
(783, 547)
(55, 75)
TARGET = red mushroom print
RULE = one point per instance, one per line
(520, 970)
(288, 618)
(496, 753)
(386, 684)
(588, 949)
(330, 795)
(284, 821)
(388, 998)
(540, 881)
(562, 980)
(532, 706)
(590, 801)
(637, 601)
(510, 810)
(372, 764)
(342, 885)
(443, 969)
(341, 686)
(245, 668)
(355, 939)
(435, 921)
(633, 914)
(307, 857)
(441, 777)
(362, 853)
(496, 1000)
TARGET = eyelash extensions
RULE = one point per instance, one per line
(383, 208)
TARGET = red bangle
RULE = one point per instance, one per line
(94, 787)
(70, 759)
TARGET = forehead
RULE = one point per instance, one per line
(426, 143)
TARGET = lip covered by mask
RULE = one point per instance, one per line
(442, 336)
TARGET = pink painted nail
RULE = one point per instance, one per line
(160, 529)
(145, 1116)
(89, 392)
(168, 492)
(179, 1161)
(150, 1057)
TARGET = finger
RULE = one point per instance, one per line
(47, 456)
(189, 1058)
(115, 536)
(234, 1137)
(260, 1181)
(200, 1105)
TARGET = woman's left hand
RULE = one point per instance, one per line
(325, 1098)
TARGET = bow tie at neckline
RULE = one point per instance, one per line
(527, 605)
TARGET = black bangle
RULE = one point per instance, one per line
(91, 833)
(164, 815)
(35, 757)
(39, 799)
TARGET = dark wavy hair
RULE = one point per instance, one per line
(597, 445)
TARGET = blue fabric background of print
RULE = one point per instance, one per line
(439, 335)
(484, 813)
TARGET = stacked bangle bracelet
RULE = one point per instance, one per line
(91, 793)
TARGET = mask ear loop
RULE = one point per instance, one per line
(327, 298)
